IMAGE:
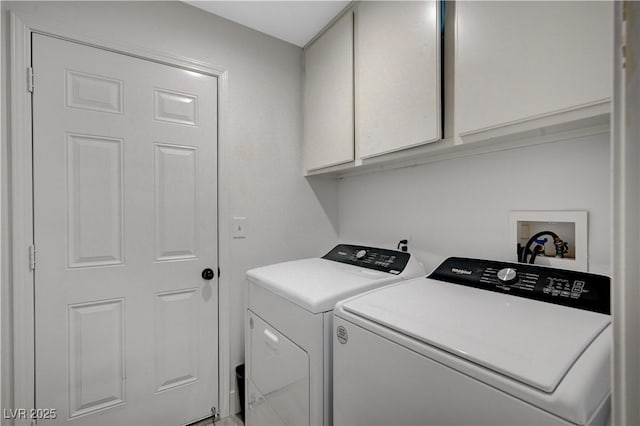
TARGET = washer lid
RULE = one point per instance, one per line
(317, 284)
(530, 341)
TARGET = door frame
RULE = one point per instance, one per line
(625, 225)
(22, 282)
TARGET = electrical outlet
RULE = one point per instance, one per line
(239, 227)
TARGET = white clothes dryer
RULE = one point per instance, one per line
(476, 343)
(289, 325)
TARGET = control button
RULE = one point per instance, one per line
(360, 254)
(507, 275)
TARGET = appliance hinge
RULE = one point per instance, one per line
(32, 257)
(30, 79)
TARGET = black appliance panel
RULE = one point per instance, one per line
(579, 290)
(389, 261)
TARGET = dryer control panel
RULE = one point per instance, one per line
(389, 261)
(568, 288)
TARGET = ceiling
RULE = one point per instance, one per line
(293, 21)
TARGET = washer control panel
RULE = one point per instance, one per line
(569, 288)
(389, 261)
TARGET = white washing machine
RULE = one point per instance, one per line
(289, 326)
(476, 343)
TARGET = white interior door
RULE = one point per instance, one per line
(125, 221)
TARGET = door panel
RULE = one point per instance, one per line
(96, 356)
(176, 318)
(94, 193)
(278, 375)
(176, 201)
(125, 220)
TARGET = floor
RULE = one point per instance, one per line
(227, 421)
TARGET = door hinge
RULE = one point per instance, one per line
(215, 413)
(30, 80)
(32, 257)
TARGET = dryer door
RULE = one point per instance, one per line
(278, 376)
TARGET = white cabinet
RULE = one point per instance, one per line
(396, 80)
(521, 66)
(517, 73)
(397, 75)
(328, 97)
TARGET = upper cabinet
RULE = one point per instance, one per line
(507, 74)
(522, 65)
(397, 76)
(396, 80)
(328, 97)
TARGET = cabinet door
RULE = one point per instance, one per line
(328, 97)
(397, 68)
(519, 61)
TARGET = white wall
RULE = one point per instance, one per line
(288, 216)
(461, 207)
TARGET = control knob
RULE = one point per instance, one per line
(360, 254)
(507, 275)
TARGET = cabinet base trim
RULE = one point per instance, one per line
(588, 115)
(447, 149)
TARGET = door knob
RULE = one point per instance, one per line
(207, 274)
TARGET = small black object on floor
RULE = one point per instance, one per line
(240, 379)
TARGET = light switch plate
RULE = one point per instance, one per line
(239, 224)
